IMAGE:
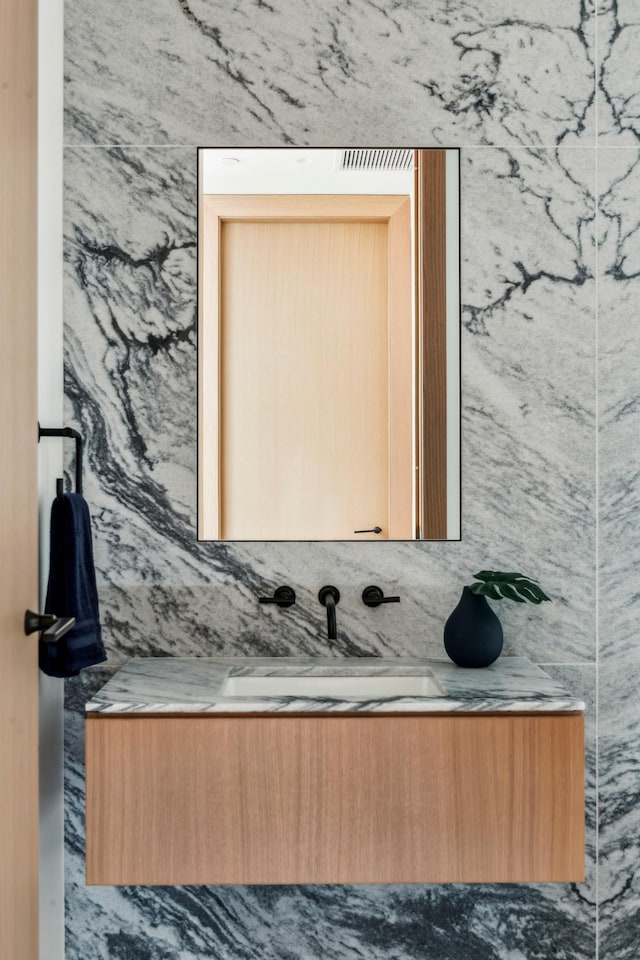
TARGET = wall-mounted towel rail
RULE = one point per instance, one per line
(66, 432)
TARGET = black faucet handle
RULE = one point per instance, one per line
(282, 597)
(373, 597)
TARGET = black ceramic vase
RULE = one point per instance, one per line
(473, 633)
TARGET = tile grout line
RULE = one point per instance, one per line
(304, 146)
(596, 868)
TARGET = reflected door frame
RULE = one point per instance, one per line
(395, 211)
(431, 287)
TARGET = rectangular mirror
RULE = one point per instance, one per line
(328, 344)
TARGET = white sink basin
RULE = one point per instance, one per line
(338, 688)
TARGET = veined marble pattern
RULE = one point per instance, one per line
(619, 725)
(528, 407)
(619, 393)
(618, 72)
(450, 72)
(264, 71)
(431, 922)
(528, 421)
(196, 685)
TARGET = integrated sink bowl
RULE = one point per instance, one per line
(327, 687)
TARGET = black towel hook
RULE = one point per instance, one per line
(66, 432)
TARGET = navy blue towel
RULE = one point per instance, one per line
(72, 590)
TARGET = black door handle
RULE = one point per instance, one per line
(373, 530)
(52, 627)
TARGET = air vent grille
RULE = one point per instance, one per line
(376, 161)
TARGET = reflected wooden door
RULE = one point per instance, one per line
(309, 330)
(18, 490)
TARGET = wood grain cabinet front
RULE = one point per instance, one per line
(335, 799)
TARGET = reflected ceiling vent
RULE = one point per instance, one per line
(376, 161)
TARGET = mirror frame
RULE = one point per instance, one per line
(437, 337)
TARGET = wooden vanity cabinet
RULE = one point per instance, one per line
(304, 799)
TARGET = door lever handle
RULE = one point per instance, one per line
(373, 597)
(372, 530)
(282, 596)
(51, 626)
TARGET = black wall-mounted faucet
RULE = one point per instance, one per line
(329, 596)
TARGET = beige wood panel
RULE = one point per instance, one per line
(335, 799)
(304, 448)
(342, 207)
(222, 215)
(208, 373)
(400, 358)
(18, 495)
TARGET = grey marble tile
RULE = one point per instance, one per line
(619, 389)
(528, 423)
(618, 98)
(619, 607)
(272, 72)
(431, 922)
(583, 682)
(619, 822)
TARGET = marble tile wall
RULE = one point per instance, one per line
(619, 506)
(549, 223)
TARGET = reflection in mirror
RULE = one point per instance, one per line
(328, 344)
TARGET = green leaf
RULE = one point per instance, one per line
(486, 590)
(485, 575)
(500, 585)
(530, 588)
(510, 593)
(531, 597)
(496, 576)
(532, 593)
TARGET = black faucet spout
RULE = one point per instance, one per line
(329, 596)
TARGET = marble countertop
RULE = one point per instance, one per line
(195, 685)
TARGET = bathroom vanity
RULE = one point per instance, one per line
(297, 771)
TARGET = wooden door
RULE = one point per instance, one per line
(18, 490)
(307, 328)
